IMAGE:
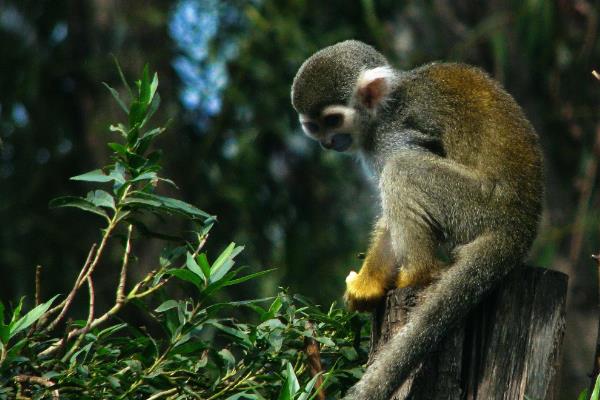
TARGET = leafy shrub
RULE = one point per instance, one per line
(188, 347)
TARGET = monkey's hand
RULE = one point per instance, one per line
(363, 291)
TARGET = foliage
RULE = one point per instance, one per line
(185, 346)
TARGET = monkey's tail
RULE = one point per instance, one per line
(478, 267)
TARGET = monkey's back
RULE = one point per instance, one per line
(482, 127)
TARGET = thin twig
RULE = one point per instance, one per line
(150, 290)
(313, 353)
(162, 394)
(38, 286)
(91, 301)
(88, 323)
(120, 298)
(596, 369)
(104, 317)
(201, 244)
(64, 305)
(596, 74)
(38, 381)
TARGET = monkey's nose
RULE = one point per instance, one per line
(339, 142)
(326, 144)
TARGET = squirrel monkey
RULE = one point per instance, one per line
(457, 166)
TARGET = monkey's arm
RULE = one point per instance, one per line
(365, 289)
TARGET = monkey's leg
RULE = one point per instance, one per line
(376, 276)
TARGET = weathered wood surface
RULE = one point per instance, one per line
(507, 348)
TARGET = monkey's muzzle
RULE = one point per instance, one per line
(338, 142)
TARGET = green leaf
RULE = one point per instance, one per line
(190, 263)
(144, 230)
(96, 175)
(202, 261)
(584, 394)
(118, 148)
(144, 86)
(309, 387)
(101, 198)
(186, 275)
(167, 305)
(228, 357)
(248, 277)
(596, 391)
(245, 396)
(28, 319)
(325, 340)
(4, 329)
(122, 76)
(78, 202)
(349, 353)
(147, 138)
(110, 330)
(237, 333)
(224, 262)
(290, 386)
(118, 174)
(161, 203)
(151, 110)
(115, 94)
(145, 176)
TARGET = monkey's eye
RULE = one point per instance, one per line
(333, 120)
(311, 127)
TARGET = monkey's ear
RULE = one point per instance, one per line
(374, 85)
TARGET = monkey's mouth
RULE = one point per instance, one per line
(338, 142)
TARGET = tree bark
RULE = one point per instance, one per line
(508, 347)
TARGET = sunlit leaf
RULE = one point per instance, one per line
(101, 198)
(167, 305)
(290, 386)
(145, 176)
(191, 264)
(28, 319)
(224, 262)
(96, 175)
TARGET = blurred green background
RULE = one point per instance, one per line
(235, 148)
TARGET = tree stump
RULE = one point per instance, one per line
(508, 347)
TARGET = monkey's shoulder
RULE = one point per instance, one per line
(463, 80)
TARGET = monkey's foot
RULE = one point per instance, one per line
(363, 292)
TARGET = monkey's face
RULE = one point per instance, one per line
(334, 127)
(337, 93)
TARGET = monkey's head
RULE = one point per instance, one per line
(337, 92)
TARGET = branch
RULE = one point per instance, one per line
(65, 304)
(38, 381)
(38, 286)
(313, 353)
(120, 297)
(162, 394)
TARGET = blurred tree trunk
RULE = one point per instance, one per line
(507, 348)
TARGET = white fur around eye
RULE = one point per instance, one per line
(347, 112)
